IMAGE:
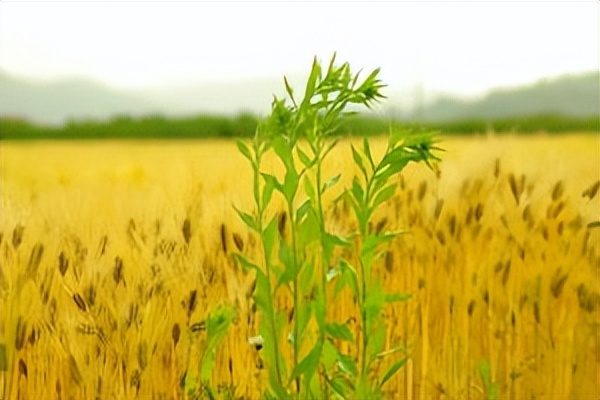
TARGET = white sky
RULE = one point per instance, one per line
(459, 47)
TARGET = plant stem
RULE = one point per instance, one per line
(296, 290)
(261, 212)
(363, 314)
(364, 286)
(324, 261)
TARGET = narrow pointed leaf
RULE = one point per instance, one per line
(289, 89)
(290, 185)
(249, 219)
(336, 240)
(393, 370)
(245, 150)
(330, 182)
(351, 274)
(348, 365)
(357, 192)
(269, 236)
(302, 211)
(305, 158)
(339, 331)
(270, 184)
(384, 195)
(397, 297)
(358, 160)
(340, 386)
(309, 364)
(329, 355)
(367, 152)
(311, 83)
(310, 189)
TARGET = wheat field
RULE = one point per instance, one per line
(113, 254)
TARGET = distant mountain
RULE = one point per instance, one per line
(227, 97)
(55, 103)
(75, 98)
(568, 95)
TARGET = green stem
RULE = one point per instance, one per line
(324, 262)
(260, 210)
(363, 313)
(296, 290)
(364, 278)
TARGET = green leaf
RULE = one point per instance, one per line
(305, 159)
(246, 264)
(411, 139)
(308, 229)
(190, 381)
(358, 160)
(320, 307)
(396, 135)
(289, 90)
(397, 297)
(245, 150)
(306, 278)
(374, 302)
(339, 331)
(384, 174)
(303, 210)
(315, 389)
(330, 68)
(357, 192)
(336, 240)
(283, 149)
(348, 365)
(310, 189)
(376, 339)
(304, 311)
(286, 256)
(311, 84)
(397, 159)
(249, 219)
(342, 281)
(269, 236)
(384, 195)
(331, 274)
(330, 182)
(370, 244)
(340, 386)
(270, 184)
(279, 391)
(485, 373)
(290, 185)
(309, 364)
(349, 272)
(217, 326)
(392, 371)
(330, 146)
(270, 328)
(329, 355)
(363, 388)
(492, 390)
(367, 152)
(262, 294)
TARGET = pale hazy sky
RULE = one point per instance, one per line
(449, 46)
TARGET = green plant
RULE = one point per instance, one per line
(298, 265)
(197, 380)
(490, 388)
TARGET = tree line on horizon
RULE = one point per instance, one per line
(243, 125)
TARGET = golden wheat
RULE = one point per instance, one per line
(108, 270)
